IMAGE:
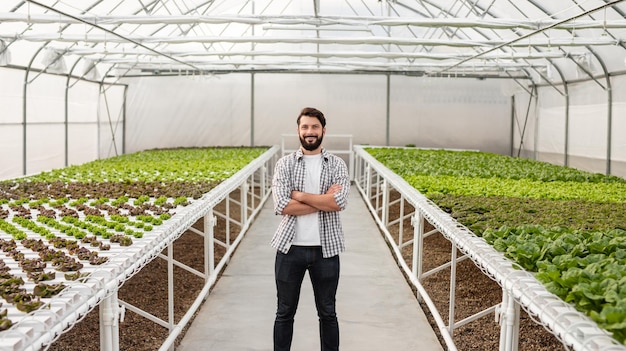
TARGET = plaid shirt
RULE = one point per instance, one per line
(289, 175)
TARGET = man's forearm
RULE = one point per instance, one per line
(321, 202)
(297, 208)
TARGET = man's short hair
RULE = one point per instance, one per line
(312, 112)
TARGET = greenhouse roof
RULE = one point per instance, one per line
(546, 41)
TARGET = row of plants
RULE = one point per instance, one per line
(565, 225)
(66, 219)
(161, 165)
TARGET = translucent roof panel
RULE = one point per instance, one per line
(547, 40)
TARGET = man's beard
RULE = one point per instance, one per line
(311, 146)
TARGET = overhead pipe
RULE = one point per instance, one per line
(526, 36)
(316, 20)
(328, 54)
(492, 45)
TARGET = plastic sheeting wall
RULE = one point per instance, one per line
(246, 109)
(450, 113)
(225, 110)
(352, 104)
(11, 134)
(587, 131)
(618, 127)
(256, 109)
(164, 112)
(87, 126)
(110, 127)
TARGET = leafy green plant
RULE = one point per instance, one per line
(585, 268)
(5, 322)
(476, 164)
(47, 290)
(565, 225)
(193, 164)
(160, 200)
(31, 225)
(10, 229)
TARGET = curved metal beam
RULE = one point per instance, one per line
(526, 36)
(50, 8)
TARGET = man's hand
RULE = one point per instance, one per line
(335, 188)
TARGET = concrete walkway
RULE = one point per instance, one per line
(375, 306)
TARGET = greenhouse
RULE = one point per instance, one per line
(483, 136)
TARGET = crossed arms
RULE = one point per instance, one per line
(288, 201)
(302, 203)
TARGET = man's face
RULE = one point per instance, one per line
(310, 132)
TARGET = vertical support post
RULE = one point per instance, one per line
(101, 93)
(511, 325)
(25, 118)
(378, 190)
(368, 182)
(170, 288)
(536, 137)
(567, 119)
(66, 112)
(501, 317)
(263, 180)
(209, 249)
(401, 223)
(385, 203)
(228, 219)
(509, 316)
(451, 325)
(351, 160)
(387, 112)
(515, 336)
(418, 243)
(109, 323)
(25, 110)
(357, 170)
(244, 202)
(252, 191)
(252, 100)
(609, 132)
(124, 120)
(512, 135)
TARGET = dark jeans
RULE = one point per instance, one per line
(289, 272)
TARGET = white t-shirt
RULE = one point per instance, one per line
(307, 226)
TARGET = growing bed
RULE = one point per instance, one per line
(563, 223)
(70, 237)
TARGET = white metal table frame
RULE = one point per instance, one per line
(40, 328)
(519, 288)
